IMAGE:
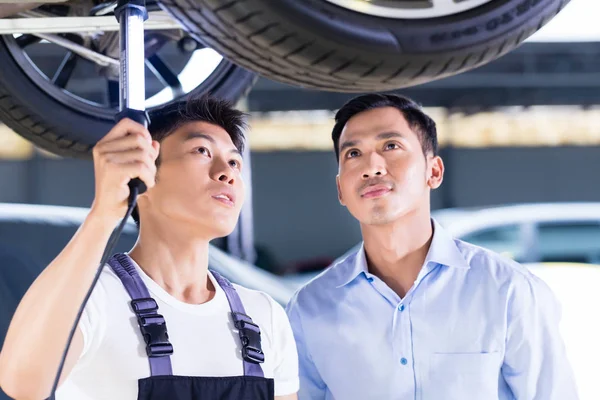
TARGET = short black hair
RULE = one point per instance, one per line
(420, 122)
(165, 120)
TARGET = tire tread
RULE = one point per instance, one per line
(309, 63)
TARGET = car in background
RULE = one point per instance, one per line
(530, 233)
(576, 287)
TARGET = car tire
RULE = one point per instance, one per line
(71, 128)
(320, 45)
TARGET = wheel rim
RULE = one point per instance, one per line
(195, 72)
(409, 9)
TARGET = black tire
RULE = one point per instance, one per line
(71, 128)
(315, 44)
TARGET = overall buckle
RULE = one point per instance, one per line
(144, 306)
(153, 327)
(250, 338)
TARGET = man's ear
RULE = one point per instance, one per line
(339, 190)
(436, 172)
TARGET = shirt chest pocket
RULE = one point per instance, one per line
(463, 376)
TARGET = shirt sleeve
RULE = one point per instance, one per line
(536, 366)
(286, 365)
(93, 322)
(312, 387)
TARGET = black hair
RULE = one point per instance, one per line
(165, 120)
(420, 122)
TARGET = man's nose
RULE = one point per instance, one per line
(375, 166)
(221, 171)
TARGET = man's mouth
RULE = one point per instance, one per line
(225, 198)
(375, 191)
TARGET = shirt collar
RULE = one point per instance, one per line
(443, 250)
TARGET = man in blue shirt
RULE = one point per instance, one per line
(414, 313)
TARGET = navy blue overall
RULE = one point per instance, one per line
(162, 384)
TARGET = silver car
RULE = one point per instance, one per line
(537, 232)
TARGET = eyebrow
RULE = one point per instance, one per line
(381, 136)
(198, 135)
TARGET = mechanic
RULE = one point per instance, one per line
(195, 193)
(414, 313)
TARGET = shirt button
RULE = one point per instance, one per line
(403, 361)
(401, 308)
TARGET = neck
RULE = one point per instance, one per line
(175, 260)
(396, 251)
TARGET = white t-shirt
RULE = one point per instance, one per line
(205, 342)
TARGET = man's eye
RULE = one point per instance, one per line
(391, 146)
(352, 154)
(234, 163)
(203, 151)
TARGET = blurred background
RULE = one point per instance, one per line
(520, 138)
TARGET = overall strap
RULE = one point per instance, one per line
(152, 325)
(249, 332)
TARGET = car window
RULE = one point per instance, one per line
(25, 250)
(569, 241)
(503, 239)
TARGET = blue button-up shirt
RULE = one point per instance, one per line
(474, 326)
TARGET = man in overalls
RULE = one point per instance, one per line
(158, 325)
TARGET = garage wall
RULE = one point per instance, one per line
(505, 175)
(297, 215)
(14, 180)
